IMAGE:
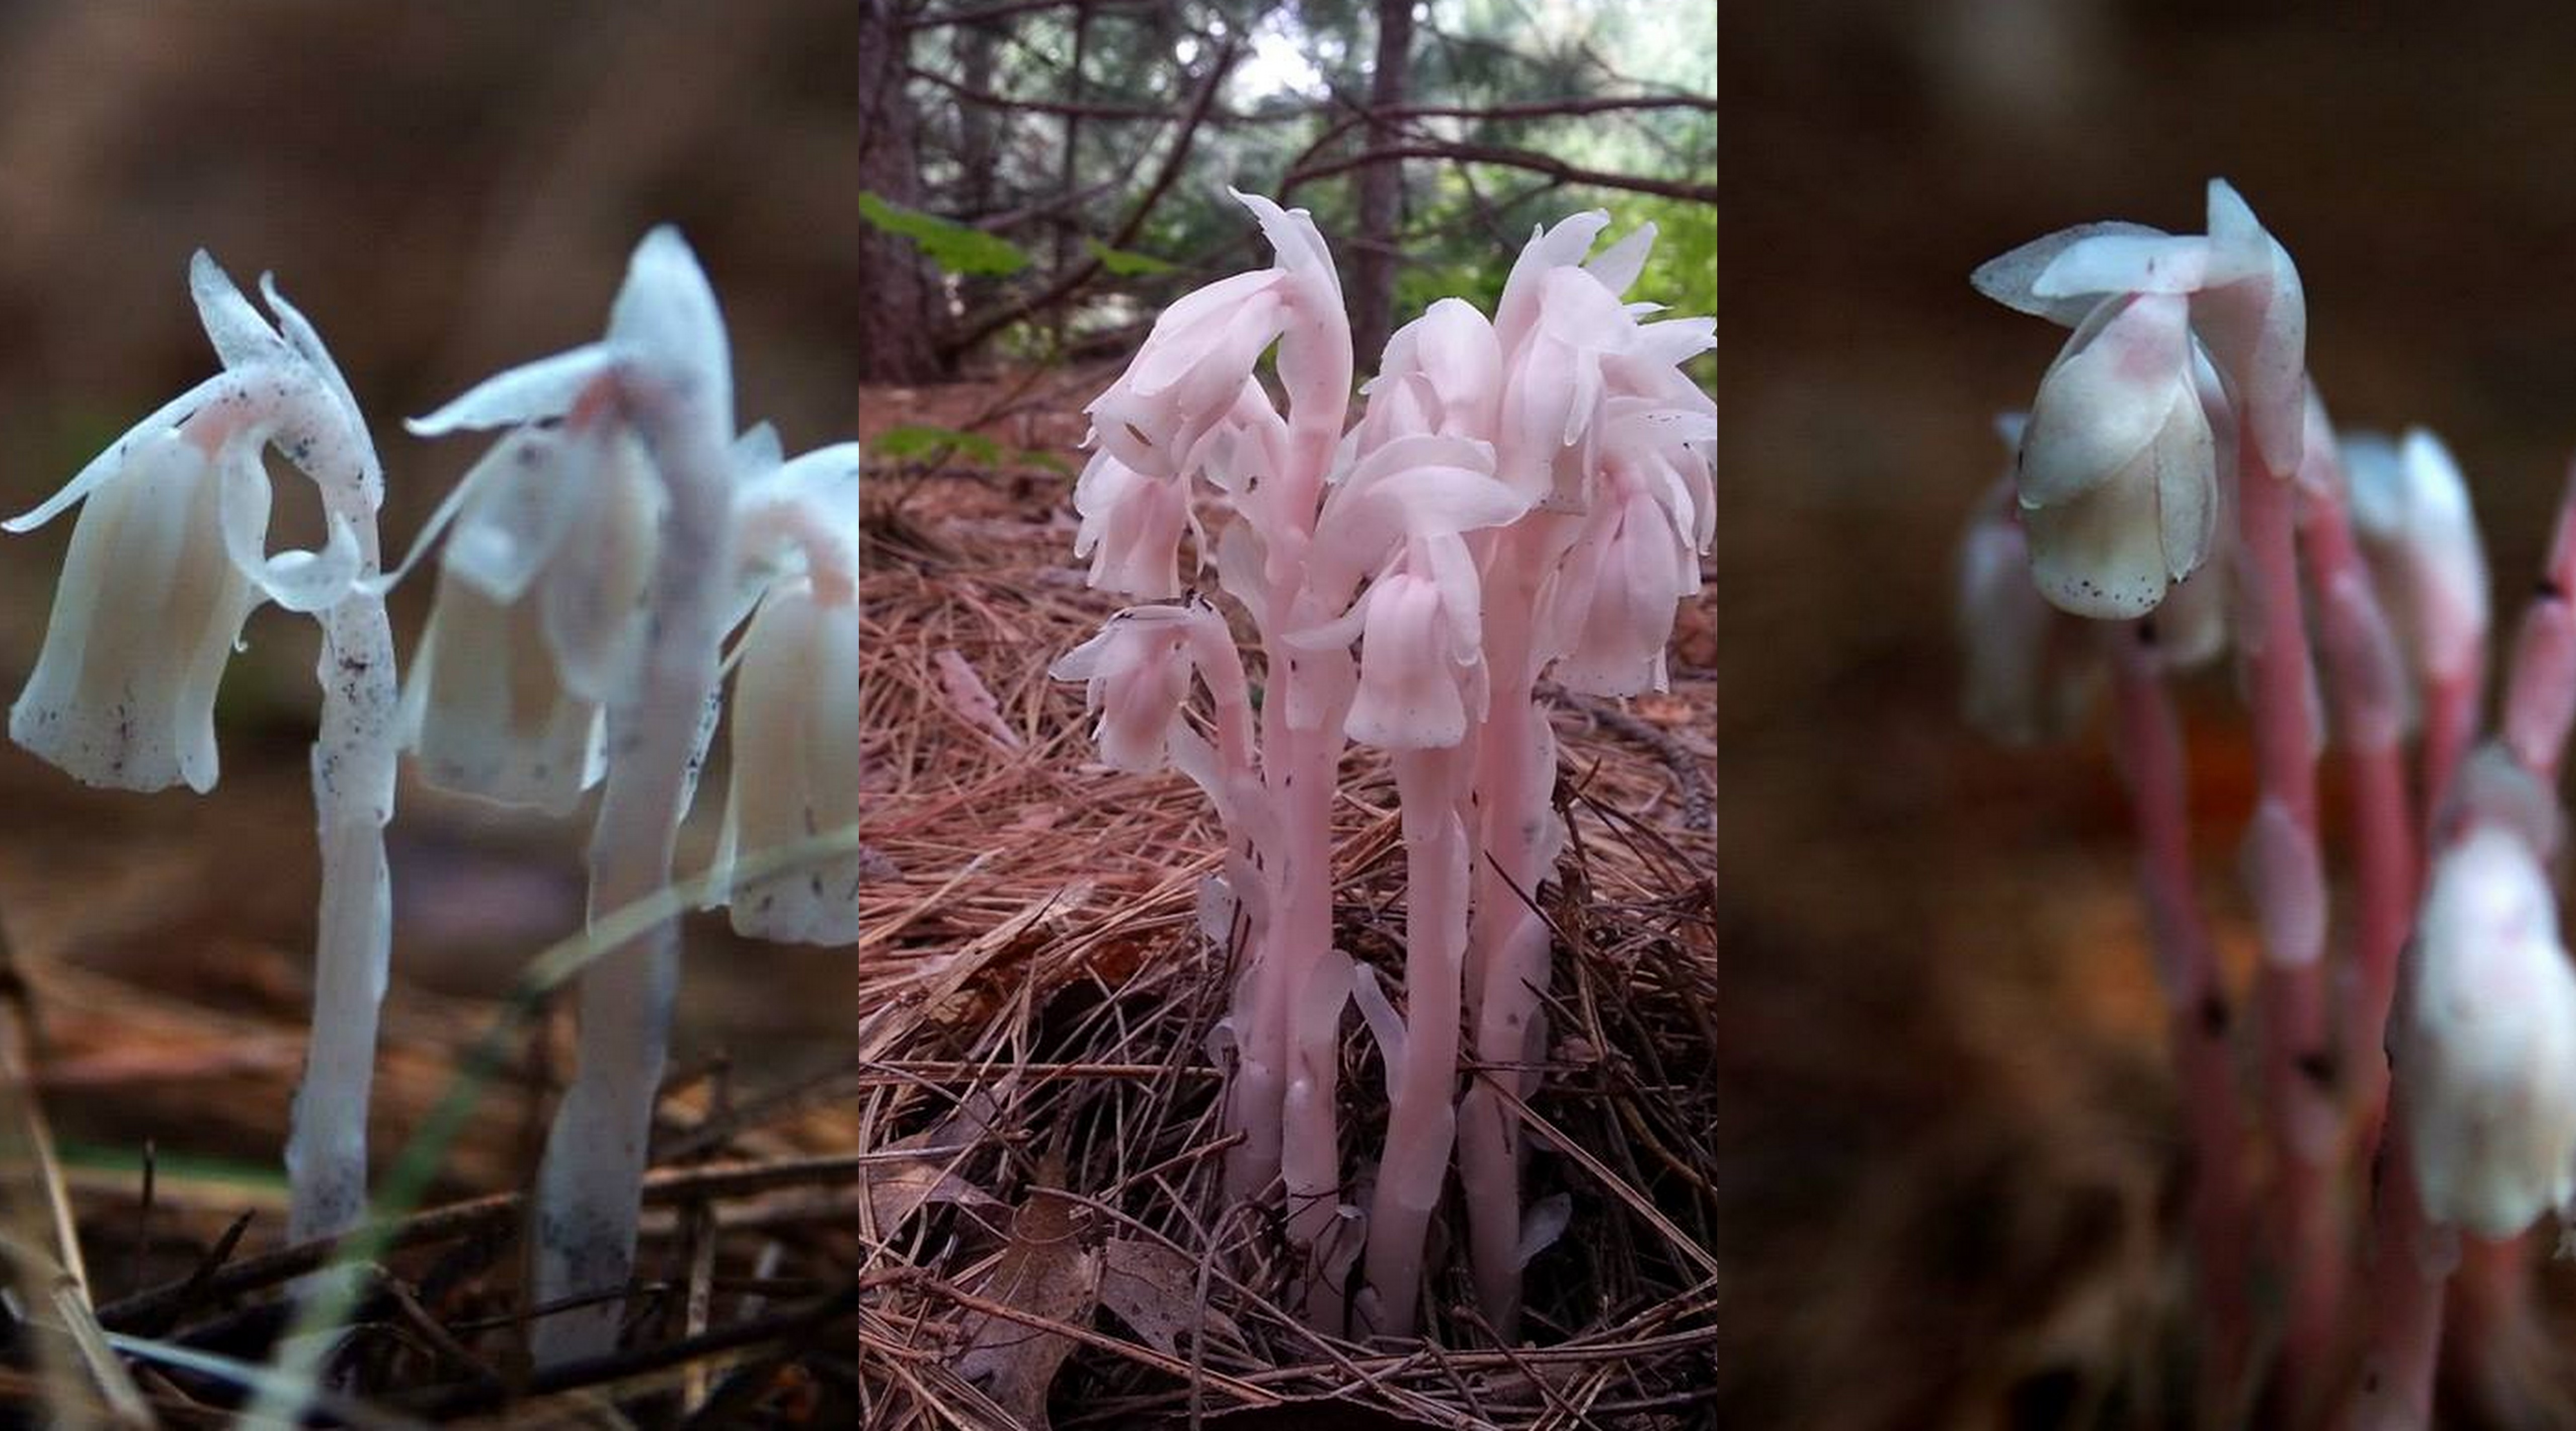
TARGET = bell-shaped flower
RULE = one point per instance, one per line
(1422, 662)
(1442, 373)
(485, 711)
(1190, 370)
(1131, 527)
(1137, 675)
(1412, 488)
(2485, 1045)
(2118, 476)
(795, 706)
(2410, 507)
(169, 555)
(1615, 592)
(1571, 347)
(795, 764)
(147, 613)
(535, 620)
(2032, 670)
(540, 618)
(2246, 302)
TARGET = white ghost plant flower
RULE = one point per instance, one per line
(2410, 507)
(2118, 477)
(795, 741)
(167, 560)
(2121, 466)
(2486, 1043)
(619, 527)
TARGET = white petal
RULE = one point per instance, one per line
(105, 466)
(485, 712)
(300, 581)
(514, 510)
(2011, 279)
(527, 393)
(2109, 396)
(145, 619)
(2101, 554)
(241, 337)
(666, 314)
(2125, 263)
(594, 588)
(1618, 265)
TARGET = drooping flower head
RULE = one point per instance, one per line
(795, 707)
(2485, 1040)
(2120, 468)
(2410, 507)
(540, 617)
(169, 556)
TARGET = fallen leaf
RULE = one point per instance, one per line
(1154, 1289)
(1046, 1273)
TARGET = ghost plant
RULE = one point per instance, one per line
(1522, 496)
(2369, 548)
(599, 553)
(167, 561)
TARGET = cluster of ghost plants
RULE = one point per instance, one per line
(595, 562)
(1523, 497)
(2177, 490)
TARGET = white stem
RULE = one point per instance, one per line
(353, 761)
(353, 796)
(589, 1184)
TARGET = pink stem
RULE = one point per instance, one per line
(2540, 692)
(1422, 1085)
(2151, 757)
(2289, 893)
(1508, 943)
(2365, 679)
(2396, 1389)
(2492, 1293)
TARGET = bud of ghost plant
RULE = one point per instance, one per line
(2486, 1043)
(619, 529)
(2410, 507)
(167, 561)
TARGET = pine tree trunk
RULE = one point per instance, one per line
(1372, 291)
(901, 306)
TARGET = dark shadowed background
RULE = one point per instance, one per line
(446, 190)
(1954, 1124)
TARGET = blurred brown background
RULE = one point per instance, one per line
(446, 190)
(1953, 1128)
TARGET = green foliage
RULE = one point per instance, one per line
(955, 248)
(923, 442)
(1124, 263)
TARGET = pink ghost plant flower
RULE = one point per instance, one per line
(1190, 373)
(1131, 528)
(795, 740)
(2485, 1043)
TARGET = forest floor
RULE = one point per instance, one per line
(1037, 999)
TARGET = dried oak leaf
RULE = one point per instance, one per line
(1154, 1289)
(1046, 1273)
